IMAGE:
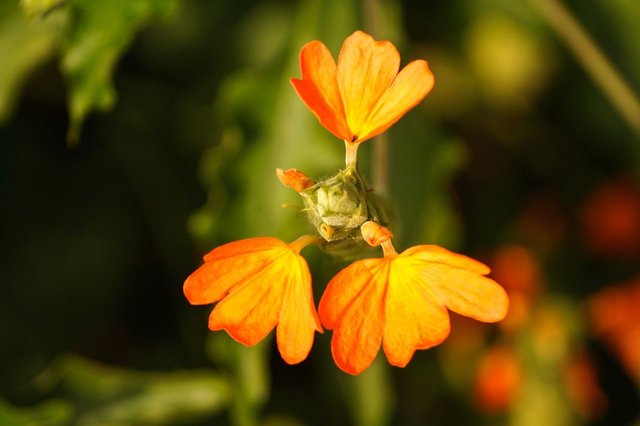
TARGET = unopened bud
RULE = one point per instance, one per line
(294, 179)
(375, 234)
(336, 206)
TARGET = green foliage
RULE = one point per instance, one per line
(92, 394)
(250, 377)
(89, 36)
(24, 45)
(98, 34)
(48, 413)
(95, 249)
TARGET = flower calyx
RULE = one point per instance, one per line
(336, 206)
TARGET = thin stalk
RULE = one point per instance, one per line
(591, 58)
(351, 154)
(380, 157)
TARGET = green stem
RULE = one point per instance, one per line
(594, 62)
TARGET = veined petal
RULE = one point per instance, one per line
(409, 87)
(230, 265)
(298, 317)
(437, 254)
(468, 293)
(415, 318)
(358, 317)
(318, 88)
(244, 247)
(365, 70)
(251, 310)
(458, 283)
(344, 288)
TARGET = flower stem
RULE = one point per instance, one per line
(388, 249)
(351, 155)
(594, 62)
(302, 242)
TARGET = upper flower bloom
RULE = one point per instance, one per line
(401, 301)
(261, 282)
(364, 94)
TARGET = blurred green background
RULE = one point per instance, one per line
(136, 135)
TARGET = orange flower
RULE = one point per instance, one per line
(611, 219)
(517, 268)
(401, 301)
(364, 94)
(260, 283)
(498, 380)
(616, 320)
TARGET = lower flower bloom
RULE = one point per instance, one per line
(400, 302)
(259, 284)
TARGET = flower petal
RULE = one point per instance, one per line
(437, 254)
(318, 88)
(415, 318)
(407, 90)
(344, 288)
(230, 265)
(365, 70)
(459, 284)
(250, 311)
(358, 314)
(243, 247)
(298, 317)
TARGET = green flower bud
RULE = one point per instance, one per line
(338, 206)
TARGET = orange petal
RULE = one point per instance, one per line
(343, 289)
(407, 90)
(458, 283)
(244, 247)
(318, 88)
(415, 318)
(298, 318)
(228, 266)
(251, 310)
(437, 254)
(358, 313)
(365, 70)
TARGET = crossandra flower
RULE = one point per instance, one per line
(364, 94)
(259, 284)
(400, 301)
(614, 317)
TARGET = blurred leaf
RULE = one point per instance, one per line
(275, 128)
(511, 63)
(423, 165)
(34, 8)
(105, 395)
(49, 413)
(24, 45)
(99, 34)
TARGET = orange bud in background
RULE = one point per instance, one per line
(497, 380)
(615, 319)
(517, 268)
(611, 220)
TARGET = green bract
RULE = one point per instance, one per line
(338, 206)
